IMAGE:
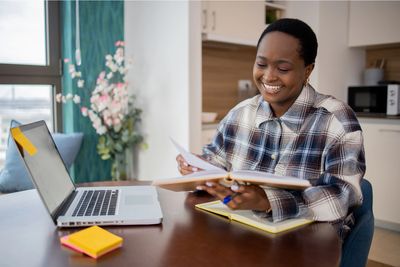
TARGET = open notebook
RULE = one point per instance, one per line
(213, 173)
(249, 218)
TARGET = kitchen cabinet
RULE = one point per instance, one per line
(382, 147)
(239, 22)
(373, 23)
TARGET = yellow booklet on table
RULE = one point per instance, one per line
(93, 241)
(249, 218)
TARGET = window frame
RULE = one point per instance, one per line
(51, 74)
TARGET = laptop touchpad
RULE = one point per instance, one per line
(138, 200)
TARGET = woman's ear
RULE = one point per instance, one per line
(309, 69)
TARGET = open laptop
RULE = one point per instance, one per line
(70, 206)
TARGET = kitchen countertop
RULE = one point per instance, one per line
(377, 116)
(214, 125)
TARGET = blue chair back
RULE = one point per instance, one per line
(356, 246)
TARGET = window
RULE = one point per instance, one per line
(30, 73)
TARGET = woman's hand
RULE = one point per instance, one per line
(184, 167)
(242, 197)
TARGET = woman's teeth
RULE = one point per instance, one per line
(272, 89)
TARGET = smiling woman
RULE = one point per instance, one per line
(290, 130)
(279, 71)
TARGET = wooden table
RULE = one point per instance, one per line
(187, 237)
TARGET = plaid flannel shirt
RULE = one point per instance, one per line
(318, 139)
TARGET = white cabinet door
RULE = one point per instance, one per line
(382, 150)
(374, 23)
(238, 22)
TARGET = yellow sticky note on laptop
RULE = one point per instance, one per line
(93, 241)
(23, 141)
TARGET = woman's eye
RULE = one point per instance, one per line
(262, 65)
(283, 70)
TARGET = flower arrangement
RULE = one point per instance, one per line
(111, 110)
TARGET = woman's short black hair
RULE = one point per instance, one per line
(299, 30)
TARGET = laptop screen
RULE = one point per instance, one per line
(45, 165)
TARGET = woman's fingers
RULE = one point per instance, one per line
(238, 196)
(183, 167)
(230, 198)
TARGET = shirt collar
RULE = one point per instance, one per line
(295, 115)
(264, 112)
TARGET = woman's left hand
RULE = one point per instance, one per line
(243, 197)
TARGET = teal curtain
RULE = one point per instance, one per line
(101, 25)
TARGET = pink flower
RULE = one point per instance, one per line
(104, 98)
(119, 43)
(108, 121)
(72, 70)
(84, 111)
(119, 85)
(101, 76)
(117, 121)
(109, 99)
(93, 99)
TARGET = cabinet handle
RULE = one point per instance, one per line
(204, 19)
(214, 25)
(389, 131)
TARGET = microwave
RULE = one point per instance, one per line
(378, 99)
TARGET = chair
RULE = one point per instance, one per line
(356, 246)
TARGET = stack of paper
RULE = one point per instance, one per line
(93, 241)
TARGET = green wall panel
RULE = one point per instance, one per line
(101, 25)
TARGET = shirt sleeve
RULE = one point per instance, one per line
(215, 152)
(336, 191)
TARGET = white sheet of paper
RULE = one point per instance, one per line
(194, 160)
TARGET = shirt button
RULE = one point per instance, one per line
(273, 156)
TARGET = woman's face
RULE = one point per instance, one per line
(279, 72)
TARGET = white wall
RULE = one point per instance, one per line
(337, 65)
(164, 41)
(308, 12)
(340, 66)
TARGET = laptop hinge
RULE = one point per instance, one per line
(62, 209)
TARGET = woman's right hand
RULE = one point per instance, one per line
(184, 167)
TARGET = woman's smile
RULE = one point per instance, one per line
(271, 89)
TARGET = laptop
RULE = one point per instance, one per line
(71, 206)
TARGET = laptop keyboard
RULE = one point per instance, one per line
(97, 203)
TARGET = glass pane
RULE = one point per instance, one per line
(23, 32)
(24, 103)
